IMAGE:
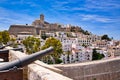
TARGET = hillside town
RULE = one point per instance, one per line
(77, 44)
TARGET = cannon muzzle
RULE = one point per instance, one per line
(7, 50)
(2, 47)
(21, 62)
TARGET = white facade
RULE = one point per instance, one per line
(61, 34)
(67, 43)
(84, 41)
(105, 53)
(21, 37)
(42, 42)
(94, 38)
(78, 54)
(50, 34)
(100, 44)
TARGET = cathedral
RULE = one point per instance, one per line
(36, 27)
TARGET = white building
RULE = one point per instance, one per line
(61, 34)
(67, 43)
(78, 54)
(104, 52)
(84, 41)
(49, 34)
(100, 44)
(94, 38)
(22, 35)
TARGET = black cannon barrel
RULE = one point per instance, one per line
(2, 47)
(17, 49)
(25, 60)
(7, 50)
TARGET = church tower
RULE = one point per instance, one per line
(42, 18)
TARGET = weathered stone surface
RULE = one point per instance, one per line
(11, 75)
(48, 66)
(36, 72)
(99, 70)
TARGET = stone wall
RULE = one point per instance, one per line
(11, 75)
(36, 72)
(95, 70)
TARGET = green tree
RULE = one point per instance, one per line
(96, 55)
(13, 42)
(31, 44)
(4, 37)
(73, 29)
(44, 36)
(84, 45)
(1, 38)
(58, 61)
(105, 37)
(86, 33)
(94, 78)
(59, 26)
(68, 56)
(57, 48)
(69, 34)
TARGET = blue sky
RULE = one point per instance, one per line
(97, 16)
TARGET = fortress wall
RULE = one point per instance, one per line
(95, 70)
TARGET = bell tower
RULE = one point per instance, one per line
(42, 18)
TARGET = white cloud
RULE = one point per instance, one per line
(25, 2)
(88, 5)
(102, 4)
(95, 18)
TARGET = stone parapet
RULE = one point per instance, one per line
(95, 70)
(36, 72)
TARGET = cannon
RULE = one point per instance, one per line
(2, 47)
(24, 60)
(4, 54)
(7, 50)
